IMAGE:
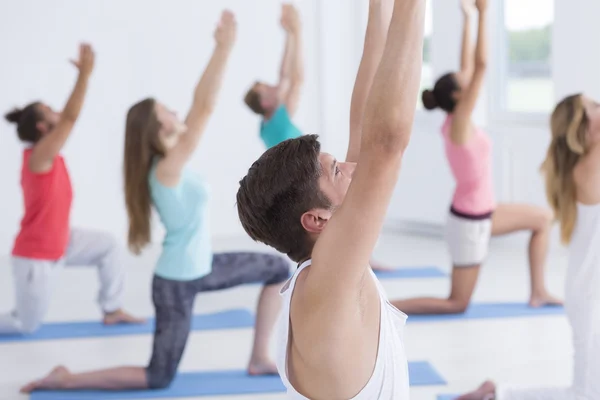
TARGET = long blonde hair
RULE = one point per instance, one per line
(142, 144)
(569, 126)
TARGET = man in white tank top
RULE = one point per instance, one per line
(340, 337)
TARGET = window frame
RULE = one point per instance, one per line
(498, 114)
(422, 115)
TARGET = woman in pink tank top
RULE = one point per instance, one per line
(474, 216)
(46, 242)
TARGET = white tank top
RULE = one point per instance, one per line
(390, 376)
(583, 277)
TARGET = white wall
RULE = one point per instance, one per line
(144, 48)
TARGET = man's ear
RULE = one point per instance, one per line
(314, 221)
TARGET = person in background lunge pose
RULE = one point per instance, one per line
(474, 216)
(277, 104)
(46, 241)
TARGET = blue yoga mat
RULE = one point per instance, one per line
(422, 373)
(491, 311)
(72, 330)
(409, 273)
(447, 397)
(218, 383)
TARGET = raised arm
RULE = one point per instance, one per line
(291, 76)
(205, 96)
(461, 123)
(466, 59)
(380, 13)
(341, 254)
(51, 144)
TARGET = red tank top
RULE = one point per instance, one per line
(47, 199)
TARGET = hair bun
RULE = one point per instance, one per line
(429, 100)
(14, 116)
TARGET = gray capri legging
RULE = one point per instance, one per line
(174, 300)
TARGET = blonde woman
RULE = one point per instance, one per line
(572, 170)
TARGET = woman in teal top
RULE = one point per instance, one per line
(157, 148)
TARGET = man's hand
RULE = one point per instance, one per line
(290, 20)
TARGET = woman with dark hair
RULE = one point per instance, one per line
(474, 216)
(572, 172)
(46, 242)
(157, 148)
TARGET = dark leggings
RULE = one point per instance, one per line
(174, 301)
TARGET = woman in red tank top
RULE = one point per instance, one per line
(46, 242)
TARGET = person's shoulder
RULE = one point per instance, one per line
(281, 112)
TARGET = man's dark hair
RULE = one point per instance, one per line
(253, 101)
(278, 189)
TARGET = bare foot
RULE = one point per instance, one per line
(544, 299)
(487, 391)
(121, 317)
(266, 367)
(56, 379)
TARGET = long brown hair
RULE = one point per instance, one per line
(142, 144)
(569, 126)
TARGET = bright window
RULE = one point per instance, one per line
(527, 80)
(427, 73)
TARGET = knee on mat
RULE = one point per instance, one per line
(30, 327)
(459, 306)
(543, 219)
(160, 379)
(111, 242)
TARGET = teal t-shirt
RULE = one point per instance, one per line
(279, 128)
(184, 212)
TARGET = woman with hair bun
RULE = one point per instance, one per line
(474, 216)
(46, 242)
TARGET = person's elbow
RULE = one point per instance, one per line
(69, 116)
(298, 78)
(205, 106)
(388, 139)
(481, 64)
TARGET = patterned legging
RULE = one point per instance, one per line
(174, 300)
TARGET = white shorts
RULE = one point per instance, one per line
(468, 240)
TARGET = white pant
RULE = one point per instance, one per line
(468, 240)
(34, 278)
(583, 311)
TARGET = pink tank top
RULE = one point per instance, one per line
(471, 165)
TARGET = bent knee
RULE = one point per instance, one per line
(543, 219)
(29, 327)
(458, 306)
(109, 242)
(159, 379)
